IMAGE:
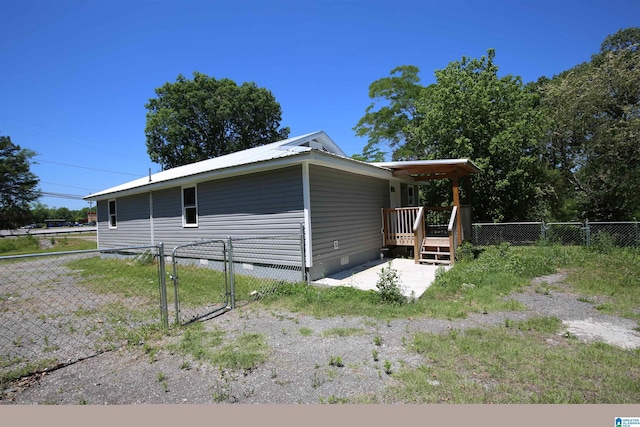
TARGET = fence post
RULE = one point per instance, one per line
(232, 284)
(543, 232)
(587, 232)
(303, 258)
(164, 310)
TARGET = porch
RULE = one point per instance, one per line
(431, 232)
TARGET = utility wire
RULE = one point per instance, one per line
(84, 167)
(68, 186)
(61, 195)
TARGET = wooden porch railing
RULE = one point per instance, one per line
(419, 232)
(398, 226)
(454, 235)
(409, 226)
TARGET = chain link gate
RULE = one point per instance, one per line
(201, 285)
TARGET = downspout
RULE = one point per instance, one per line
(306, 197)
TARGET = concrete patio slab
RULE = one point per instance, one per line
(414, 278)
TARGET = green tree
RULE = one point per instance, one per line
(18, 185)
(387, 128)
(64, 213)
(40, 212)
(193, 120)
(471, 112)
(593, 130)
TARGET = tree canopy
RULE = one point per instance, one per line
(387, 127)
(193, 120)
(470, 112)
(562, 148)
(18, 185)
(593, 130)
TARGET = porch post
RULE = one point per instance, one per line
(456, 201)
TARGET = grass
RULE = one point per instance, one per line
(243, 353)
(480, 285)
(305, 332)
(30, 245)
(525, 362)
(7, 377)
(615, 276)
(343, 332)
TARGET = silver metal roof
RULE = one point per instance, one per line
(280, 149)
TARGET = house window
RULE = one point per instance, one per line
(113, 220)
(411, 196)
(189, 207)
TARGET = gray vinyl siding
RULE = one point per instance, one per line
(133, 227)
(345, 207)
(260, 204)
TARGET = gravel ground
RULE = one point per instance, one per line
(297, 370)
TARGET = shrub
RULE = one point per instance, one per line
(388, 286)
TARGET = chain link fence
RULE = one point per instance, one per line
(56, 309)
(212, 276)
(623, 234)
(262, 264)
(60, 308)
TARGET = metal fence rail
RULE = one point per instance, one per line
(63, 307)
(623, 234)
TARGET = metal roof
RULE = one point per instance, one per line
(280, 149)
(282, 153)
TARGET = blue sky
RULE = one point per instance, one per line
(75, 75)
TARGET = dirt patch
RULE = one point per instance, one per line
(611, 333)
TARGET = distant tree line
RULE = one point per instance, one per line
(561, 148)
(41, 212)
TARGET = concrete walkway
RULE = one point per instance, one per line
(414, 278)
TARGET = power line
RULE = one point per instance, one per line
(62, 195)
(84, 167)
(68, 186)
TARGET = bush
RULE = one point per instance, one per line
(465, 252)
(388, 286)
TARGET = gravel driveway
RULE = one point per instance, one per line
(297, 370)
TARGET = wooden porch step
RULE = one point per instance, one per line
(435, 250)
(433, 261)
(436, 241)
(436, 253)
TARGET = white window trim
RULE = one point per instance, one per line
(184, 216)
(109, 213)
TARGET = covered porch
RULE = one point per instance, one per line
(431, 232)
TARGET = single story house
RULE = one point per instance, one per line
(349, 210)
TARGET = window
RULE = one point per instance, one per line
(412, 201)
(189, 207)
(113, 220)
